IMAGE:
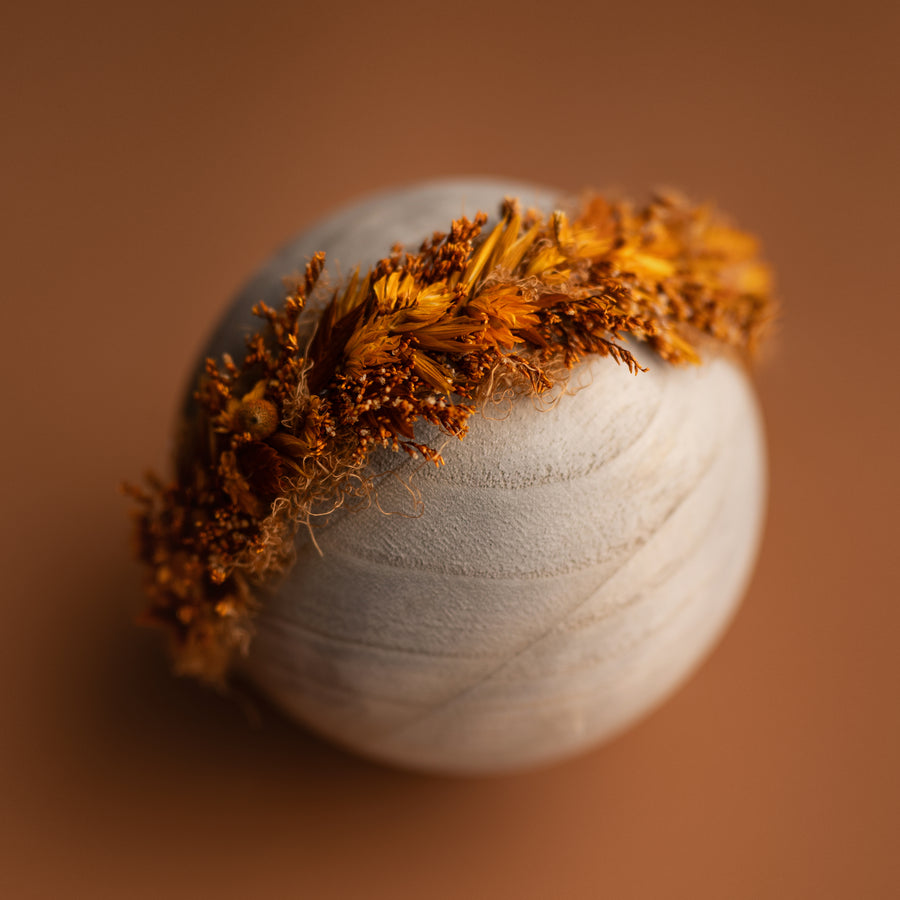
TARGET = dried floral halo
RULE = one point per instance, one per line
(422, 337)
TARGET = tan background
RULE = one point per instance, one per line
(152, 155)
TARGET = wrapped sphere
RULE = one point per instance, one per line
(570, 563)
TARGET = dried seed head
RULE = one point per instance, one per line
(259, 418)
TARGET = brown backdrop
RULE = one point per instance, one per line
(152, 155)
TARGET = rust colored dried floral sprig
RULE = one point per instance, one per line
(423, 337)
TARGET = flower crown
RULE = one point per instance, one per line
(427, 337)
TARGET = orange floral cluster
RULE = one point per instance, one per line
(421, 337)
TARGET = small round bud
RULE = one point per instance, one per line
(257, 417)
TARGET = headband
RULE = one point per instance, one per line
(284, 435)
